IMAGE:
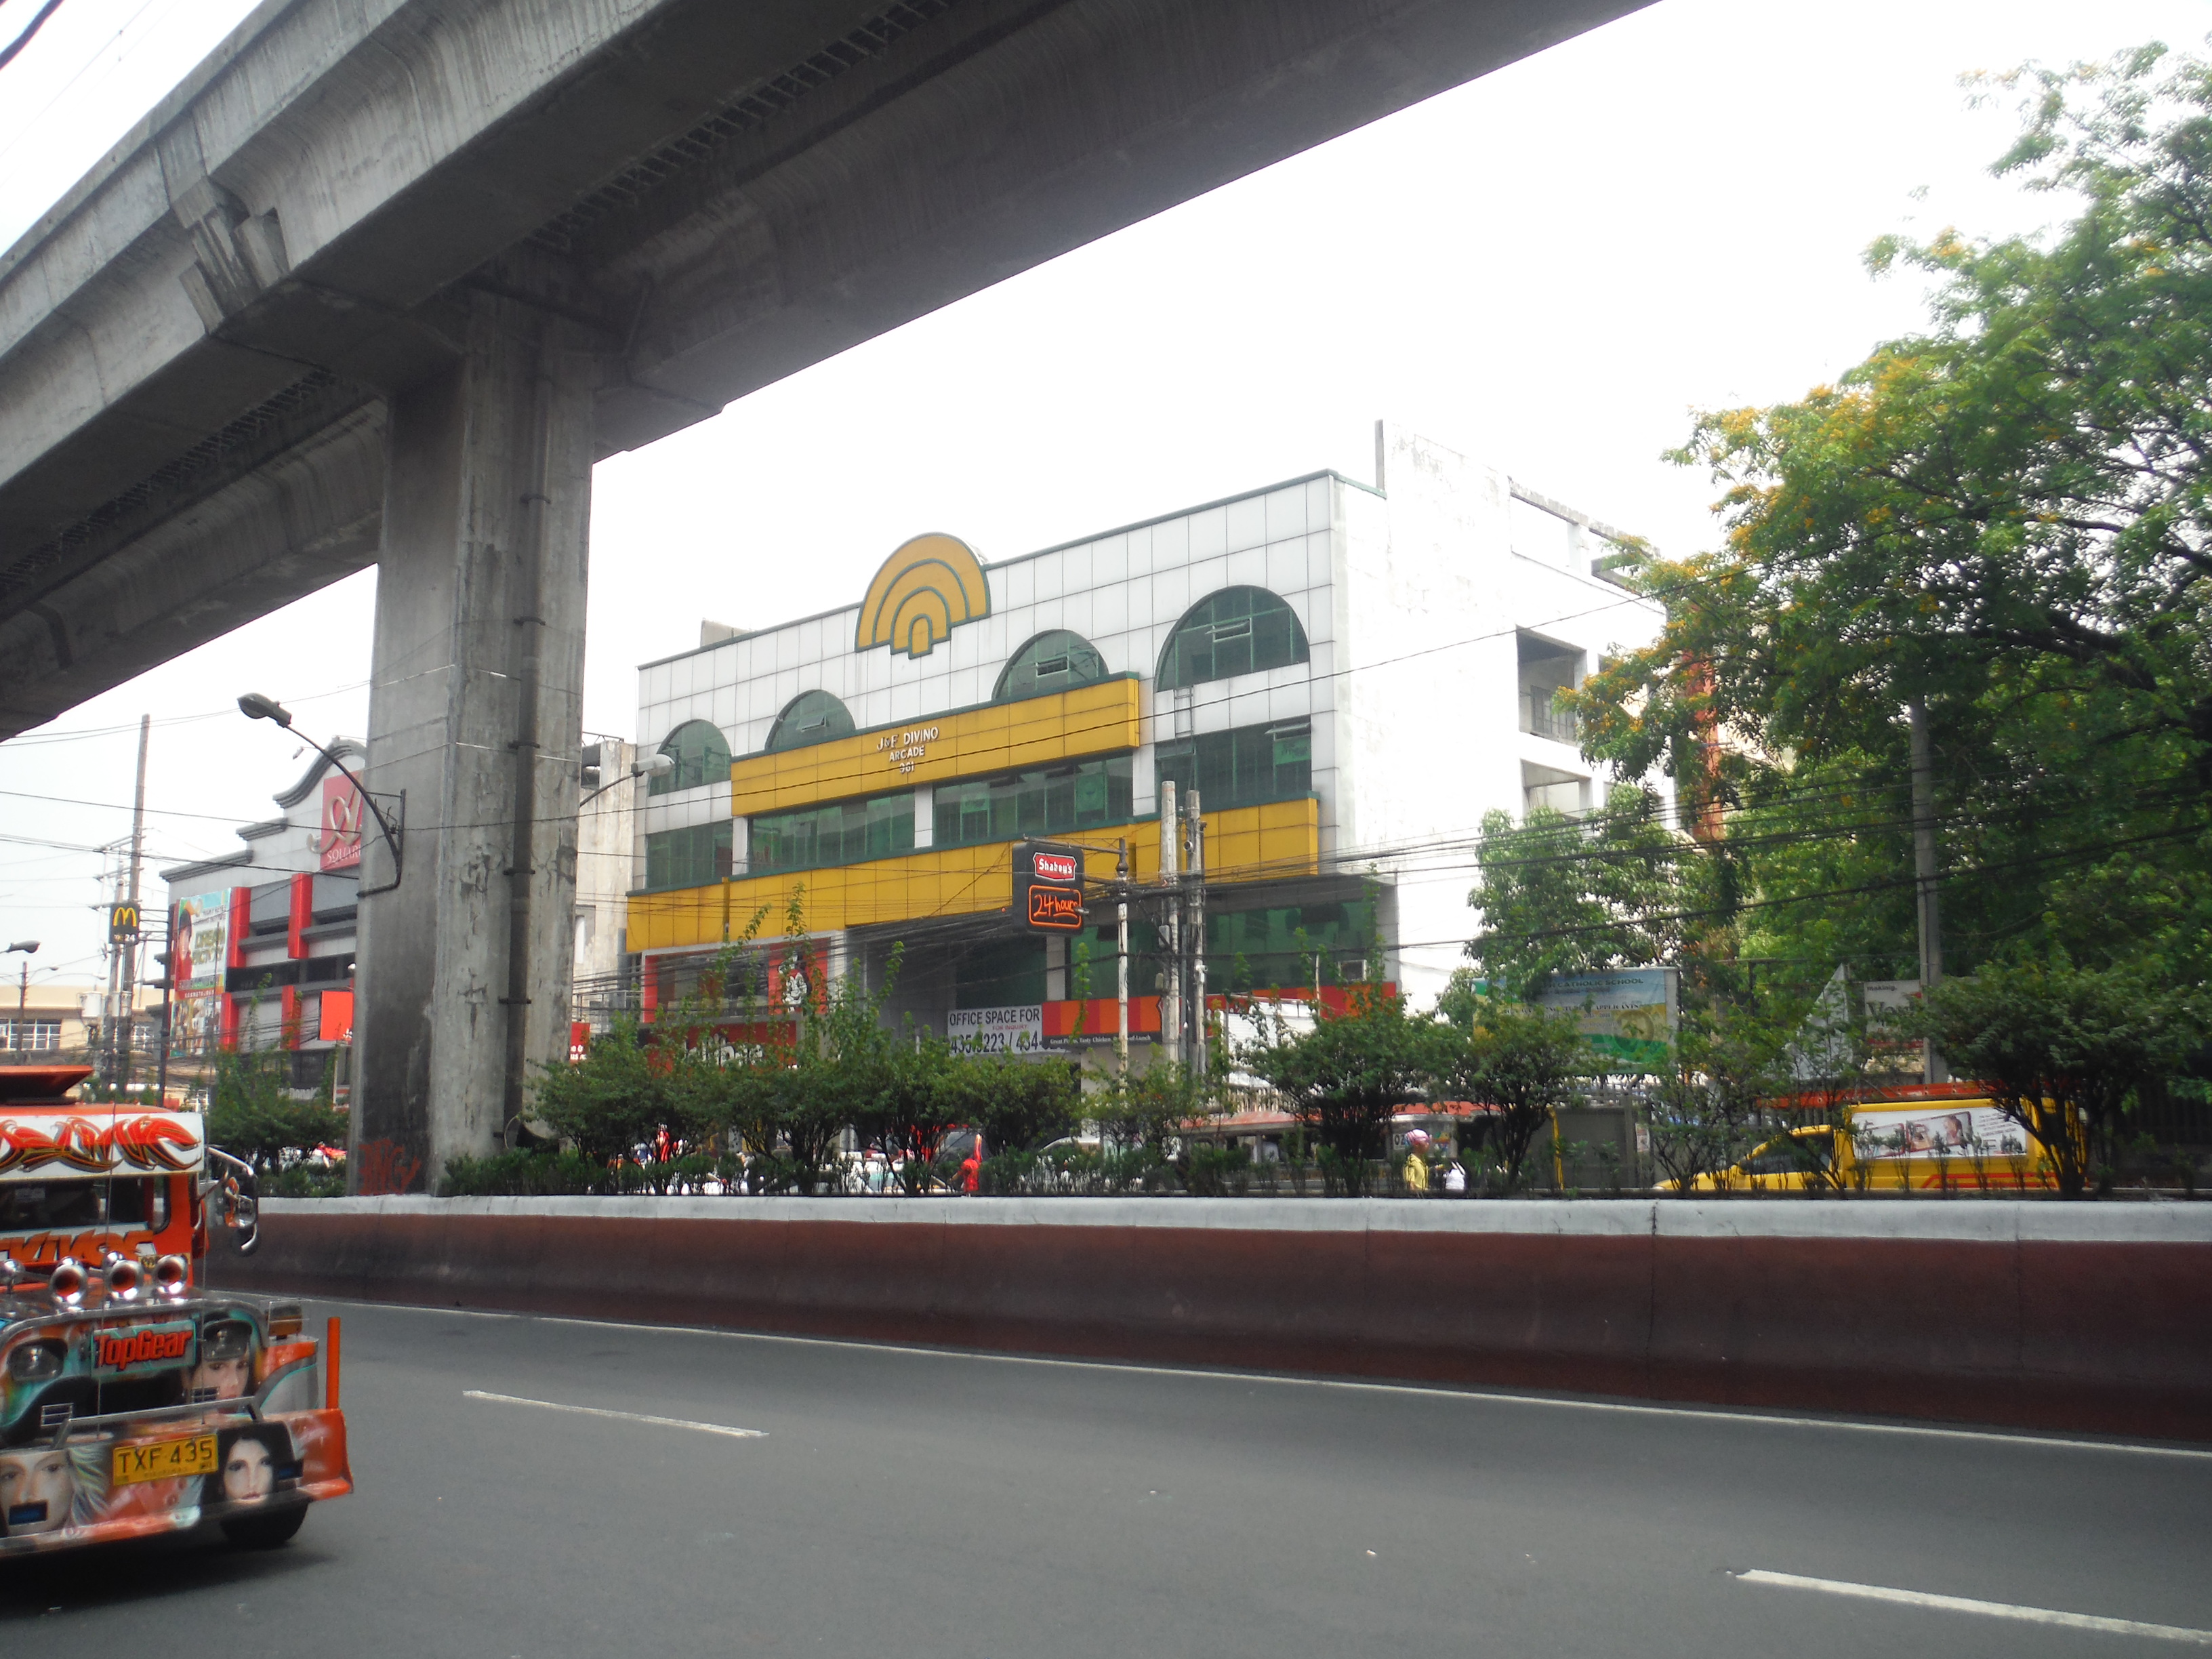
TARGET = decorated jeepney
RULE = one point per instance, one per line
(135, 1399)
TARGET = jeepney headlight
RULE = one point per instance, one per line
(36, 1361)
(66, 1283)
(172, 1275)
(124, 1279)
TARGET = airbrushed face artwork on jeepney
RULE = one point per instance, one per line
(259, 1436)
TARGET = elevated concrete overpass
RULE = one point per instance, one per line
(382, 279)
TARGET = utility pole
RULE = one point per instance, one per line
(1121, 957)
(112, 879)
(1196, 907)
(127, 1015)
(29, 947)
(169, 983)
(1172, 885)
(1934, 1070)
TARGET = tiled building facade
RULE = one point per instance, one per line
(1351, 674)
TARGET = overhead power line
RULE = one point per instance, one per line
(8, 52)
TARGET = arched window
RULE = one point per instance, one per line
(810, 717)
(1055, 660)
(1239, 630)
(701, 755)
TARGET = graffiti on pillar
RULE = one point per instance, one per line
(387, 1166)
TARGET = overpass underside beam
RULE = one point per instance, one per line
(474, 712)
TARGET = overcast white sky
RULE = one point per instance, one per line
(1548, 269)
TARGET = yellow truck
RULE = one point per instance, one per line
(1933, 1137)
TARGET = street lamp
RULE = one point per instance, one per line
(653, 766)
(255, 707)
(29, 948)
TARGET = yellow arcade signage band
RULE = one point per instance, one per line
(994, 739)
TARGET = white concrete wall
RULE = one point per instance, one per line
(1434, 593)
(606, 837)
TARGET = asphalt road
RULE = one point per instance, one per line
(914, 1503)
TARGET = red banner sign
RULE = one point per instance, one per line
(341, 826)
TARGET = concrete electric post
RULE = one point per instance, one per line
(1172, 932)
(1195, 931)
(29, 948)
(1121, 957)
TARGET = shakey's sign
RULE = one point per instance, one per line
(1047, 886)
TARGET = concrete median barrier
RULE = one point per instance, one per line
(2089, 1318)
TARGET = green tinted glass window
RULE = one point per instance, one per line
(1286, 946)
(1245, 767)
(810, 717)
(847, 832)
(993, 973)
(1054, 661)
(701, 755)
(687, 858)
(1239, 630)
(1050, 801)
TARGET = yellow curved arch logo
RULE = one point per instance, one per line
(924, 589)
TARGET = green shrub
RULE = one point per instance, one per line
(305, 1180)
(1215, 1171)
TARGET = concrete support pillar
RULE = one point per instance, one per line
(474, 712)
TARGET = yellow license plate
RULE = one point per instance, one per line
(165, 1460)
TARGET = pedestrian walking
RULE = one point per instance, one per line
(1416, 1173)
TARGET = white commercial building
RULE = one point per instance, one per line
(1352, 674)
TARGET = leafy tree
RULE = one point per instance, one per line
(1019, 1103)
(1566, 895)
(1145, 1113)
(915, 1104)
(2001, 520)
(841, 1063)
(1708, 1104)
(616, 1098)
(253, 1113)
(1526, 1062)
(2064, 1050)
(1345, 1077)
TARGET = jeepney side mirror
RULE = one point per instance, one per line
(237, 1192)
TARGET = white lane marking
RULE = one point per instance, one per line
(2202, 1638)
(1687, 1414)
(1684, 1413)
(624, 1417)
